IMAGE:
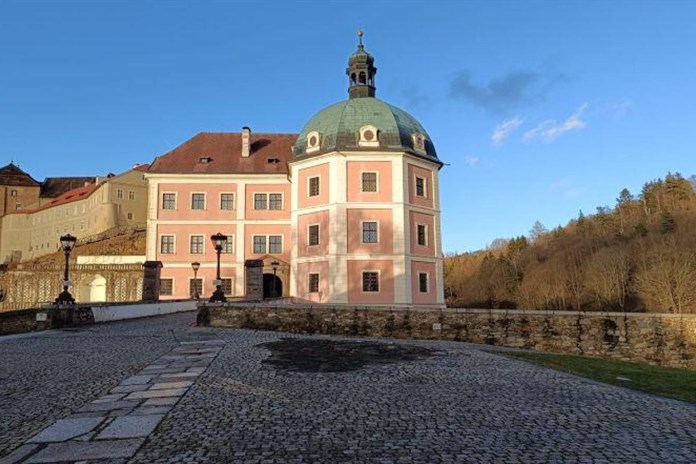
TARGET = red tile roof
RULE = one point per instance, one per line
(53, 187)
(269, 155)
(79, 193)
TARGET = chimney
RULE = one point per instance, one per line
(246, 144)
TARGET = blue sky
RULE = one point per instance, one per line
(540, 108)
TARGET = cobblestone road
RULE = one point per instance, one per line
(448, 403)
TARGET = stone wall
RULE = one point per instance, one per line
(664, 339)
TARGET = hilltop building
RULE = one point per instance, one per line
(346, 211)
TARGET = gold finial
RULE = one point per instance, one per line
(360, 34)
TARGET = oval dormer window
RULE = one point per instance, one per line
(369, 136)
(313, 141)
(419, 142)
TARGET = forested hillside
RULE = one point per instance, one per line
(639, 255)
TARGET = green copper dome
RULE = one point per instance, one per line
(339, 127)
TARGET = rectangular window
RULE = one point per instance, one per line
(13, 193)
(313, 284)
(369, 181)
(313, 235)
(169, 201)
(166, 287)
(129, 216)
(18, 206)
(423, 282)
(260, 201)
(420, 187)
(228, 247)
(275, 201)
(370, 281)
(226, 286)
(275, 244)
(131, 195)
(314, 186)
(422, 234)
(198, 201)
(196, 245)
(259, 244)
(119, 193)
(227, 201)
(369, 232)
(195, 288)
(167, 244)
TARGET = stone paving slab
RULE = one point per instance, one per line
(80, 451)
(131, 427)
(171, 385)
(65, 429)
(156, 393)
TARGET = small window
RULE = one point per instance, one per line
(169, 201)
(275, 201)
(423, 282)
(166, 287)
(129, 216)
(259, 244)
(227, 201)
(13, 193)
(313, 235)
(228, 247)
(369, 181)
(369, 232)
(260, 201)
(313, 284)
(370, 281)
(369, 136)
(226, 286)
(131, 195)
(18, 206)
(313, 141)
(314, 186)
(422, 234)
(119, 194)
(198, 201)
(197, 244)
(195, 287)
(419, 142)
(275, 244)
(420, 187)
(167, 244)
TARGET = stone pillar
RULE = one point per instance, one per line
(151, 280)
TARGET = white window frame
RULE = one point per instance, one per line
(362, 281)
(362, 232)
(362, 183)
(234, 201)
(191, 243)
(425, 186)
(205, 201)
(176, 201)
(229, 243)
(190, 279)
(309, 282)
(282, 243)
(368, 143)
(282, 201)
(425, 226)
(159, 248)
(309, 186)
(265, 245)
(309, 234)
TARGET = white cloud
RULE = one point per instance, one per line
(549, 130)
(504, 129)
(471, 160)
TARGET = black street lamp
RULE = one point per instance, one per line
(219, 241)
(275, 265)
(67, 243)
(195, 266)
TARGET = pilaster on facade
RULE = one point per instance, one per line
(402, 280)
(151, 228)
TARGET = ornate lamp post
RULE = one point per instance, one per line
(218, 241)
(275, 265)
(195, 266)
(67, 243)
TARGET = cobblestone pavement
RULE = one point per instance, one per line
(450, 403)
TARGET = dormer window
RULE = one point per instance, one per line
(204, 160)
(313, 141)
(369, 136)
(419, 142)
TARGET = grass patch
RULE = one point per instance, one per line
(671, 382)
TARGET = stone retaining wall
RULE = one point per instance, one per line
(664, 339)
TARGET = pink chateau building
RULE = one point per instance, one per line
(346, 212)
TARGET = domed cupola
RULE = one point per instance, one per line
(363, 122)
(361, 72)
